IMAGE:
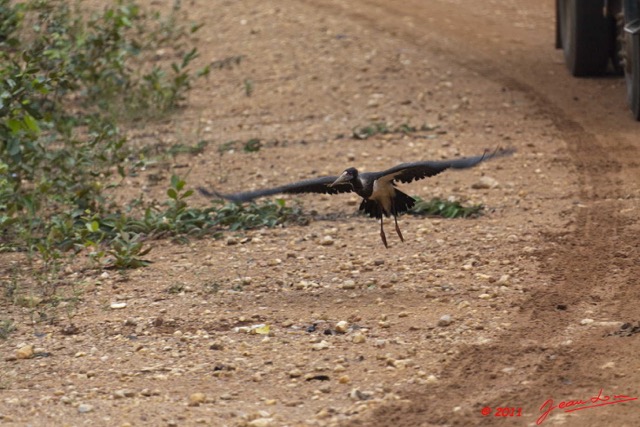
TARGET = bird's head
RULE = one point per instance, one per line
(347, 176)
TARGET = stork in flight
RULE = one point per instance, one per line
(377, 189)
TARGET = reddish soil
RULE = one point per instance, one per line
(539, 289)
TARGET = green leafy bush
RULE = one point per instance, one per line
(444, 208)
(382, 128)
(267, 214)
(70, 79)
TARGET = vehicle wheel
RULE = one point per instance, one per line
(632, 67)
(586, 35)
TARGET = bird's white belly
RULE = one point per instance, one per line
(383, 193)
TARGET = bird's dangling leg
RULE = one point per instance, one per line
(395, 218)
(382, 235)
(394, 212)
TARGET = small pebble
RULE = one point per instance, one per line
(320, 346)
(445, 320)
(349, 284)
(121, 394)
(344, 379)
(83, 408)
(504, 279)
(485, 182)
(402, 363)
(464, 304)
(585, 322)
(356, 394)
(25, 352)
(295, 373)
(327, 241)
(118, 305)
(358, 338)
(262, 422)
(342, 326)
(195, 399)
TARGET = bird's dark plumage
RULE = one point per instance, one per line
(377, 189)
(317, 185)
(402, 203)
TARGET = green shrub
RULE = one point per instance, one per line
(444, 208)
(69, 81)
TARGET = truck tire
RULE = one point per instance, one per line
(586, 35)
(632, 69)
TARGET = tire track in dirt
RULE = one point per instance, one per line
(542, 350)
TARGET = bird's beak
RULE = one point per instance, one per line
(345, 177)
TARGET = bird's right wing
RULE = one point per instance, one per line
(316, 185)
(407, 172)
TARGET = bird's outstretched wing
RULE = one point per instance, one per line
(316, 185)
(407, 172)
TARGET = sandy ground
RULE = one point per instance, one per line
(526, 303)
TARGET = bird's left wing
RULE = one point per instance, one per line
(316, 185)
(407, 172)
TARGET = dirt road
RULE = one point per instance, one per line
(593, 269)
(526, 303)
